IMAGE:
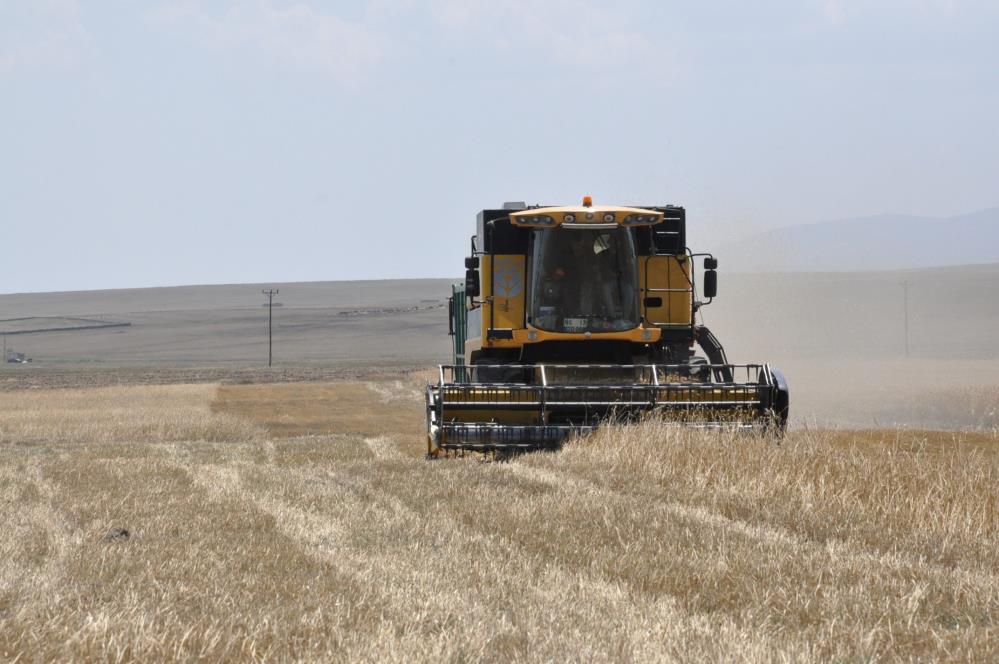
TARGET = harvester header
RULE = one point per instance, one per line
(570, 315)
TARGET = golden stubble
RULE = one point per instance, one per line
(141, 414)
(256, 534)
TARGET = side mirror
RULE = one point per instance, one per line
(711, 263)
(710, 283)
(472, 263)
(472, 283)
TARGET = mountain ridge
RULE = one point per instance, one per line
(878, 242)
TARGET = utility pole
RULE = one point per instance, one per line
(270, 293)
(905, 290)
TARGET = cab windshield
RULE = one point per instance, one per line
(584, 280)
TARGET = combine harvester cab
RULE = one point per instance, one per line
(575, 316)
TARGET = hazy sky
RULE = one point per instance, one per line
(161, 143)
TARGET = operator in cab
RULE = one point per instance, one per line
(585, 281)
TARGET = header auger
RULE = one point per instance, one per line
(573, 316)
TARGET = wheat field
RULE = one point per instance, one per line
(300, 522)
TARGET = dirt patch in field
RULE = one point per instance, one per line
(367, 408)
(23, 378)
(137, 414)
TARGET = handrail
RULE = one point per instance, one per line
(655, 384)
(544, 392)
(548, 377)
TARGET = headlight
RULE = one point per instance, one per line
(639, 219)
(568, 219)
(534, 220)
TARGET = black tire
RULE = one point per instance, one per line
(699, 369)
(496, 372)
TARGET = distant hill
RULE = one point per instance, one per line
(888, 242)
(332, 323)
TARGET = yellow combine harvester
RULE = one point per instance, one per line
(571, 315)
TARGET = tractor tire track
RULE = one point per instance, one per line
(420, 553)
(839, 552)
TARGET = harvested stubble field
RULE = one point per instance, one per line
(299, 522)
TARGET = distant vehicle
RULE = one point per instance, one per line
(17, 358)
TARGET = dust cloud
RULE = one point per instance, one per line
(840, 338)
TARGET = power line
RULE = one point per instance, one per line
(905, 296)
(270, 323)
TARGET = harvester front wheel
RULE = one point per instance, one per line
(781, 401)
(494, 372)
(699, 369)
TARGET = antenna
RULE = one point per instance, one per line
(905, 298)
(270, 293)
